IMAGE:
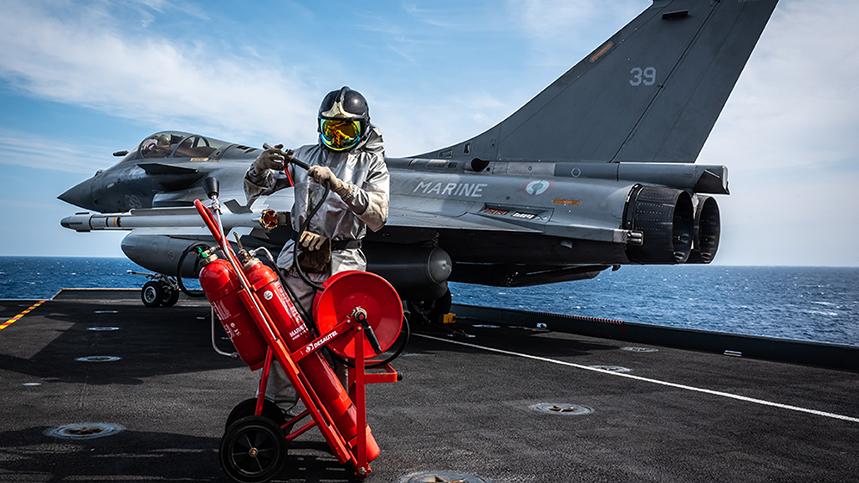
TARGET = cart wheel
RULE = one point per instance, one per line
(252, 450)
(247, 408)
(152, 294)
(171, 296)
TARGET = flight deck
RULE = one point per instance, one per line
(502, 400)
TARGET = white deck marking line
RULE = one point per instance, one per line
(653, 381)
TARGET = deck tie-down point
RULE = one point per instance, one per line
(441, 477)
(563, 409)
(79, 431)
(98, 359)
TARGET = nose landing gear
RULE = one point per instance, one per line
(159, 291)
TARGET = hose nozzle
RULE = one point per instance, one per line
(211, 187)
(289, 158)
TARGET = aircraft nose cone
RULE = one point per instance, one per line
(80, 195)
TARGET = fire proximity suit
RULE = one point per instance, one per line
(359, 196)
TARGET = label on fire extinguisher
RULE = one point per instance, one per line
(290, 305)
(221, 310)
(267, 295)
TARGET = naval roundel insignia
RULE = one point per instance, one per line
(537, 187)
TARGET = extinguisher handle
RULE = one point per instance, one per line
(360, 315)
(207, 217)
(371, 337)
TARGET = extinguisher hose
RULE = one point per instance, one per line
(182, 287)
(304, 226)
(402, 340)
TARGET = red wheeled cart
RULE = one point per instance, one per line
(357, 316)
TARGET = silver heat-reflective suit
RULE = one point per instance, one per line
(344, 218)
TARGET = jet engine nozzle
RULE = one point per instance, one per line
(708, 227)
(665, 218)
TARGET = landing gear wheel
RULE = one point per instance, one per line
(252, 450)
(247, 408)
(152, 294)
(430, 312)
(171, 296)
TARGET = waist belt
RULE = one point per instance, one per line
(345, 244)
(337, 245)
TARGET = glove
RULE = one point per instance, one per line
(324, 175)
(311, 241)
(271, 158)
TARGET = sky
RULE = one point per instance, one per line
(80, 80)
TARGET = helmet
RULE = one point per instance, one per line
(343, 119)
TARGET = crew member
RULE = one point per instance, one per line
(350, 158)
(157, 147)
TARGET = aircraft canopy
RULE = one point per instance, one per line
(177, 144)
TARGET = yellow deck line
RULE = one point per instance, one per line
(20, 315)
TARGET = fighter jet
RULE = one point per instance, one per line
(596, 171)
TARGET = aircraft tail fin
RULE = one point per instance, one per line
(652, 92)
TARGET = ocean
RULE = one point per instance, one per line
(807, 303)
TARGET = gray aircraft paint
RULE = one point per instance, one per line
(545, 195)
(652, 92)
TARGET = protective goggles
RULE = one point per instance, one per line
(340, 134)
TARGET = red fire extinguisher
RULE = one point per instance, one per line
(266, 284)
(219, 282)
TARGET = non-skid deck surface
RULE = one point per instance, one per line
(684, 416)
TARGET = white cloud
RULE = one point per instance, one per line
(413, 126)
(797, 102)
(85, 60)
(81, 58)
(788, 134)
(24, 149)
(791, 219)
(554, 27)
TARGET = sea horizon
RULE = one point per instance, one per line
(715, 264)
(813, 303)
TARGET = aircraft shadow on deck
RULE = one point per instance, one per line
(150, 343)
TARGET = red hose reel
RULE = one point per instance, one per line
(346, 291)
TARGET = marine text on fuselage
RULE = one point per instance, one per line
(471, 190)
